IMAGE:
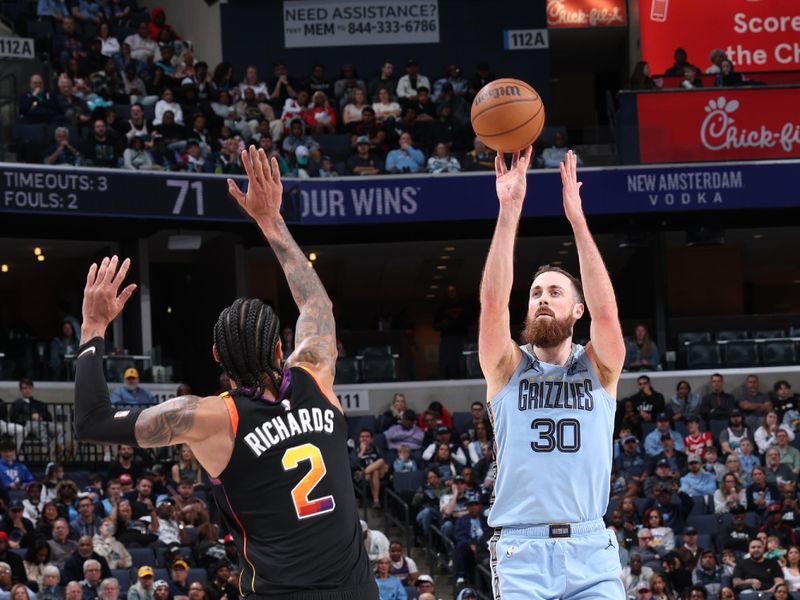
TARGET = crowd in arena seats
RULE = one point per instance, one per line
(129, 92)
(721, 67)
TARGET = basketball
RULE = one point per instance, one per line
(507, 115)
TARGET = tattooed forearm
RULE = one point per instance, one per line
(164, 424)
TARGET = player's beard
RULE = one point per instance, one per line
(546, 333)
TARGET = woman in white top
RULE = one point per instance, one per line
(791, 570)
(729, 494)
(166, 103)
(765, 435)
(385, 108)
(482, 441)
(251, 81)
(663, 537)
(351, 114)
(110, 45)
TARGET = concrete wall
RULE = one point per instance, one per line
(195, 21)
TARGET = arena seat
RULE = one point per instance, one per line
(778, 353)
(346, 370)
(705, 524)
(356, 424)
(29, 131)
(412, 592)
(741, 354)
(160, 573)
(123, 111)
(735, 334)
(197, 575)
(124, 578)
(764, 334)
(378, 363)
(693, 337)
(460, 419)
(185, 551)
(703, 355)
(408, 482)
(701, 504)
(142, 557)
(336, 145)
(716, 426)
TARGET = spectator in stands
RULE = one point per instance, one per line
(696, 441)
(697, 482)
(642, 352)
(167, 103)
(161, 590)
(178, 586)
(134, 87)
(13, 474)
(409, 84)
(647, 402)
(88, 523)
(478, 417)
(406, 158)
(66, 495)
(425, 587)
(367, 463)
(187, 467)
(384, 81)
(61, 547)
(368, 127)
(737, 534)
(12, 569)
(483, 75)
(663, 536)
(480, 158)
(729, 495)
(57, 10)
(402, 566)
(717, 404)
(424, 107)
(635, 574)
(298, 137)
(109, 44)
(73, 567)
(142, 47)
(100, 150)
(708, 573)
(455, 454)
(108, 589)
(716, 57)
(393, 415)
(681, 63)
(733, 466)
(137, 125)
(91, 579)
(453, 505)
(684, 403)
(756, 573)
(125, 463)
(385, 108)
(53, 474)
(347, 83)
(442, 161)
(426, 501)
(136, 157)
(652, 442)
(389, 586)
(791, 569)
(133, 532)
(283, 85)
(50, 588)
(448, 130)
(471, 535)
(776, 472)
(38, 105)
(73, 591)
(352, 112)
(689, 551)
(251, 80)
(459, 109)
(728, 77)
(142, 499)
(453, 78)
(761, 494)
(732, 436)
(640, 78)
(691, 78)
(190, 507)
(753, 403)
(143, 588)
(168, 529)
(131, 392)
(106, 545)
(32, 414)
(662, 474)
(784, 402)
(776, 526)
(224, 108)
(321, 117)
(631, 465)
(157, 25)
(317, 82)
(20, 530)
(326, 167)
(405, 433)
(33, 504)
(74, 109)
(67, 44)
(765, 436)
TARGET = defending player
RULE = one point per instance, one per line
(276, 445)
(552, 404)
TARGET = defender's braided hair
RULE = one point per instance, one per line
(246, 335)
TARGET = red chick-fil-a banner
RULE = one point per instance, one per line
(719, 124)
(576, 14)
(757, 35)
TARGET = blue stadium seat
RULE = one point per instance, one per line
(196, 575)
(412, 592)
(356, 424)
(124, 578)
(750, 519)
(150, 112)
(640, 502)
(717, 426)
(741, 354)
(185, 551)
(703, 355)
(701, 504)
(123, 111)
(17, 495)
(778, 353)
(703, 541)
(160, 573)
(408, 482)
(346, 370)
(460, 419)
(647, 428)
(142, 557)
(705, 524)
(29, 131)
(380, 443)
(337, 146)
(680, 427)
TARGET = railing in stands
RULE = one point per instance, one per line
(397, 513)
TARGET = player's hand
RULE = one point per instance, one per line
(101, 302)
(264, 188)
(512, 183)
(571, 188)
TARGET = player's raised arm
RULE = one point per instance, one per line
(497, 352)
(607, 347)
(315, 333)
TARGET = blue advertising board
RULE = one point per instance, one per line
(35, 189)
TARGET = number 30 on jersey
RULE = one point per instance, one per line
(303, 505)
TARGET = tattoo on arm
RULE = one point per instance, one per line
(316, 323)
(167, 423)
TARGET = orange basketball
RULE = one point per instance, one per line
(508, 115)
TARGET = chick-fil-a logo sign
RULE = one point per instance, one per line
(720, 131)
(585, 13)
(728, 124)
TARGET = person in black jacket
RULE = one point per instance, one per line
(38, 105)
(472, 533)
(73, 567)
(12, 560)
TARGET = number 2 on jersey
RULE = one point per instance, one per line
(303, 506)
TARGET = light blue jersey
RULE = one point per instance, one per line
(553, 434)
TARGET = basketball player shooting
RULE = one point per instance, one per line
(276, 446)
(552, 405)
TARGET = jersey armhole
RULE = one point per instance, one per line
(329, 396)
(233, 413)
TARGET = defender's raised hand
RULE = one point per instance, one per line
(264, 188)
(101, 302)
(512, 183)
(571, 191)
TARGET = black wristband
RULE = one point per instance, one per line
(96, 420)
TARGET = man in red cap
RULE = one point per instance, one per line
(12, 560)
(231, 553)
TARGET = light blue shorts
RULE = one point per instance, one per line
(528, 564)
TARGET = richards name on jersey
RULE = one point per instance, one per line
(545, 392)
(278, 429)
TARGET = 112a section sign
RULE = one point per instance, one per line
(720, 124)
(579, 14)
(757, 35)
